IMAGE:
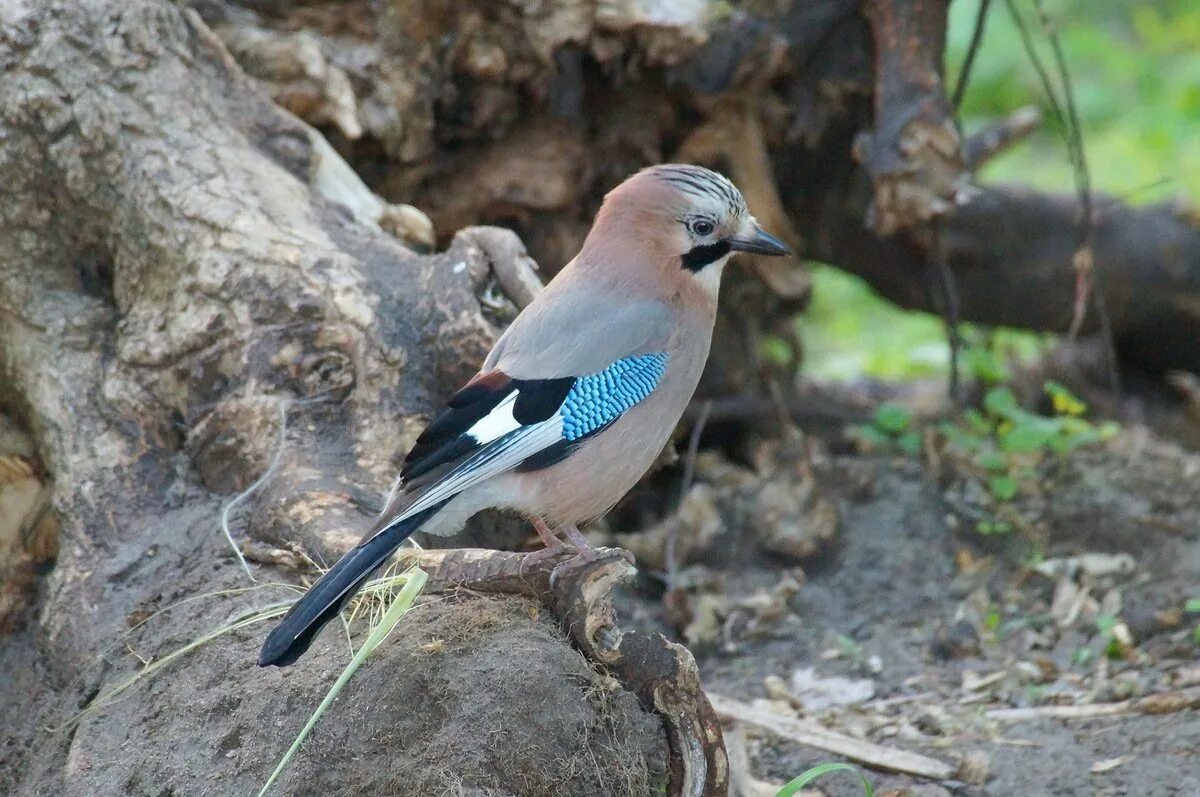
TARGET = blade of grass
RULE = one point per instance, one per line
(106, 697)
(413, 585)
(795, 785)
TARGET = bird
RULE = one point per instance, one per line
(579, 395)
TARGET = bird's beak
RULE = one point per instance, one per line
(759, 242)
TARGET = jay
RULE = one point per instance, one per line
(578, 396)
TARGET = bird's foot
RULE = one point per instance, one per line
(547, 537)
(553, 546)
(545, 554)
(584, 550)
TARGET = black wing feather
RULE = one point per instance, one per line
(446, 439)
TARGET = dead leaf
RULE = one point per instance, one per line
(1108, 764)
(815, 692)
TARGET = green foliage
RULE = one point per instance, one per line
(891, 428)
(1192, 606)
(821, 770)
(1105, 624)
(1007, 443)
(1135, 68)
(849, 331)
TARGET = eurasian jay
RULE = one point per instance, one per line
(578, 396)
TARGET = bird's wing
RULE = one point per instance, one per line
(572, 330)
(497, 423)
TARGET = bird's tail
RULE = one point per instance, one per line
(325, 599)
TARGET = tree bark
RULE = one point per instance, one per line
(833, 118)
(178, 298)
(196, 290)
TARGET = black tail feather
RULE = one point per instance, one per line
(292, 637)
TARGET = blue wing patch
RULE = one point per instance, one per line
(597, 400)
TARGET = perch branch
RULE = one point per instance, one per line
(662, 674)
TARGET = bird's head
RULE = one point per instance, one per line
(692, 219)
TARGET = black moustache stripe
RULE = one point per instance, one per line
(705, 254)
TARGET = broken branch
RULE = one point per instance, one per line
(812, 735)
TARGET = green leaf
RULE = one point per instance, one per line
(984, 364)
(1192, 606)
(892, 418)
(992, 621)
(1065, 402)
(992, 461)
(1028, 435)
(989, 527)
(1003, 487)
(873, 438)
(979, 424)
(775, 350)
(794, 786)
(910, 443)
(1001, 402)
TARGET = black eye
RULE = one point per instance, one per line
(702, 227)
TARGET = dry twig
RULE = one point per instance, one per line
(1161, 703)
(813, 735)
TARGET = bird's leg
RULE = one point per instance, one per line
(576, 538)
(584, 551)
(553, 545)
(545, 534)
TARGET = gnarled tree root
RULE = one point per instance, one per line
(661, 673)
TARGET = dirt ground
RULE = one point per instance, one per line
(880, 617)
(910, 628)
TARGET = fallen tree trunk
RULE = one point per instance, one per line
(833, 117)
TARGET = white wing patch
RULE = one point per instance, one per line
(497, 423)
(502, 455)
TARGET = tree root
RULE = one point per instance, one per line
(662, 674)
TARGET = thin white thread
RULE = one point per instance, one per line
(284, 404)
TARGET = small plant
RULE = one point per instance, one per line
(891, 428)
(394, 606)
(1108, 627)
(1008, 444)
(1192, 608)
(793, 786)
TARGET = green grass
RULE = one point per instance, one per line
(1136, 73)
(793, 787)
(395, 607)
(1135, 68)
(384, 600)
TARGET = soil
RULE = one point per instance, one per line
(932, 625)
(471, 695)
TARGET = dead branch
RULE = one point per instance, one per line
(999, 137)
(913, 154)
(1011, 249)
(813, 735)
(1160, 703)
